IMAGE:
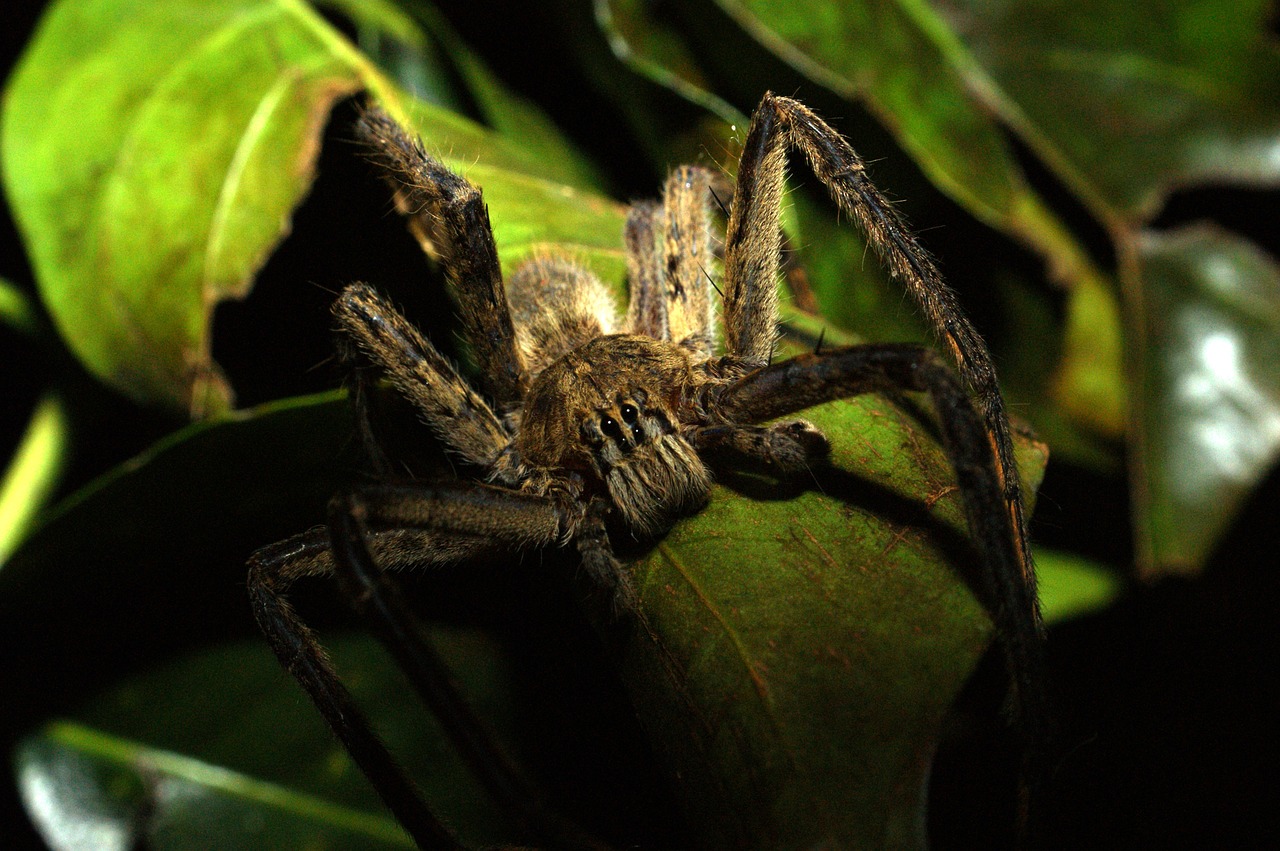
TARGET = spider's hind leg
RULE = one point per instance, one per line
(379, 600)
(752, 246)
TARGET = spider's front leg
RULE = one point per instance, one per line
(981, 446)
(669, 260)
(402, 526)
(449, 217)
(752, 245)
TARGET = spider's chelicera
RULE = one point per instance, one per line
(585, 418)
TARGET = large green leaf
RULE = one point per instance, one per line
(810, 639)
(1127, 101)
(218, 747)
(84, 787)
(154, 154)
(1210, 373)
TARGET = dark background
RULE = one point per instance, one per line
(1168, 699)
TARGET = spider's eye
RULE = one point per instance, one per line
(610, 427)
(629, 413)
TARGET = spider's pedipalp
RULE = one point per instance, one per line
(786, 447)
(449, 217)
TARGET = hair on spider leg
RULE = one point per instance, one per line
(586, 426)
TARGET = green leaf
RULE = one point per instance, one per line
(32, 473)
(660, 55)
(1071, 586)
(508, 114)
(852, 290)
(1090, 384)
(16, 309)
(806, 640)
(430, 60)
(1209, 372)
(155, 154)
(86, 788)
(1127, 101)
(220, 747)
(175, 504)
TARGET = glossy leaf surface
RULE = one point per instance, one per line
(154, 155)
(219, 748)
(811, 638)
(1211, 385)
(1126, 101)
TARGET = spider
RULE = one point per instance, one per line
(586, 421)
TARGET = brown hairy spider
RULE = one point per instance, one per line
(585, 418)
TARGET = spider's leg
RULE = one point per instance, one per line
(495, 515)
(300, 652)
(378, 599)
(670, 258)
(753, 244)
(455, 412)
(751, 265)
(807, 380)
(647, 309)
(687, 259)
(785, 447)
(449, 216)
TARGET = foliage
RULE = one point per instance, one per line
(158, 159)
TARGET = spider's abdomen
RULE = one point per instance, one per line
(608, 410)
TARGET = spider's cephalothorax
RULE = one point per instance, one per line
(611, 409)
(588, 419)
